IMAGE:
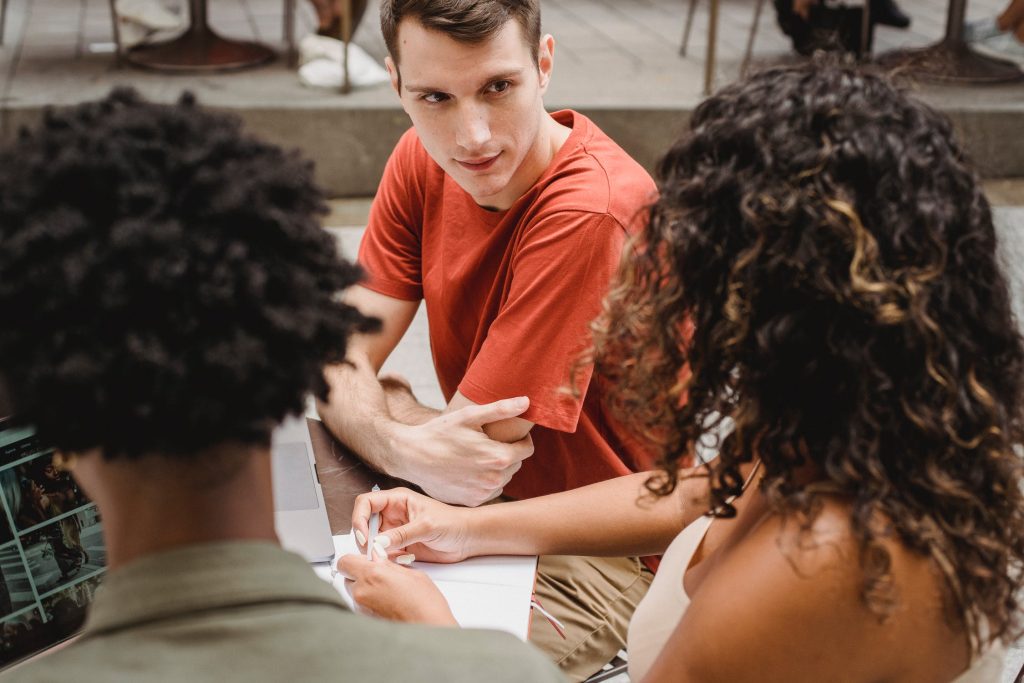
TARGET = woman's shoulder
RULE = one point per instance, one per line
(793, 594)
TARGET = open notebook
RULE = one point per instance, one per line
(483, 592)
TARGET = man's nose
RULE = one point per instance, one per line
(474, 130)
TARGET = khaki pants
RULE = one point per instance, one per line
(594, 599)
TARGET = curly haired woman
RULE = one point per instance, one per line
(816, 296)
(168, 296)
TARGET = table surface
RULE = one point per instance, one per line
(343, 476)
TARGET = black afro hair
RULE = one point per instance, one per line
(165, 284)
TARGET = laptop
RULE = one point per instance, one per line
(300, 512)
(52, 556)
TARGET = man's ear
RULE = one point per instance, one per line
(545, 60)
(396, 80)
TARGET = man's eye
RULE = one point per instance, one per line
(434, 97)
(500, 86)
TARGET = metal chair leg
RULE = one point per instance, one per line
(289, 33)
(709, 60)
(865, 30)
(346, 36)
(118, 53)
(686, 28)
(750, 39)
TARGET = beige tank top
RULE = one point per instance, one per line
(660, 611)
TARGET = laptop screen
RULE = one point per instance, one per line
(51, 547)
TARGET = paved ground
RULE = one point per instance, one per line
(608, 52)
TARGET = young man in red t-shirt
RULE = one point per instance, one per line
(509, 222)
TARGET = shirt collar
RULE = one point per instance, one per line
(203, 578)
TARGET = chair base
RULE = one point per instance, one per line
(950, 62)
(199, 51)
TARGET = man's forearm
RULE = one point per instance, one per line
(446, 453)
(402, 404)
(357, 413)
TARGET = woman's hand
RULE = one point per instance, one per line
(413, 523)
(391, 591)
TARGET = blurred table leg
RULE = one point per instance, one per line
(709, 58)
(199, 49)
(951, 60)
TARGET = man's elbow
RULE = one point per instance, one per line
(508, 431)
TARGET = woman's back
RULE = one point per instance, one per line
(747, 589)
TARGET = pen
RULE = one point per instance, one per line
(374, 528)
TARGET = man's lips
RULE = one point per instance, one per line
(479, 164)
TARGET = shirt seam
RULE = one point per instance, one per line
(556, 415)
(393, 288)
(126, 624)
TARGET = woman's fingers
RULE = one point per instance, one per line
(393, 502)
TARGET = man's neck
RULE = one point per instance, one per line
(159, 503)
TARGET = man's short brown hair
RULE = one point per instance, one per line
(467, 21)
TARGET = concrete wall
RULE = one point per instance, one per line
(351, 145)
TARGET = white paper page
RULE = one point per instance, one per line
(482, 592)
(484, 605)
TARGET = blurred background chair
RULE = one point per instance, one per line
(351, 13)
(710, 54)
(113, 19)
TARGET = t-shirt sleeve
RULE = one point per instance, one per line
(560, 274)
(390, 250)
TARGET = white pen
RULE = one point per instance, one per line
(373, 529)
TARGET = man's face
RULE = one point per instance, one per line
(476, 107)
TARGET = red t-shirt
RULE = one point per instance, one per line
(510, 294)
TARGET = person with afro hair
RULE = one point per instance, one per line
(168, 297)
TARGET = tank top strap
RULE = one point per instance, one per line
(746, 483)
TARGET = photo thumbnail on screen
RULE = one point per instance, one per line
(52, 556)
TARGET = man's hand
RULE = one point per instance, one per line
(453, 460)
(448, 454)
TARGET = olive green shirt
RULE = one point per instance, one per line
(250, 611)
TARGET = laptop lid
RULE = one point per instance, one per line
(52, 556)
(300, 513)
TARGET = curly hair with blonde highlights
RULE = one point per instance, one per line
(818, 285)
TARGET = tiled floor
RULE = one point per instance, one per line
(608, 52)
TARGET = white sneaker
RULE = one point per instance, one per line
(132, 33)
(321, 64)
(980, 29)
(315, 46)
(149, 13)
(1004, 46)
